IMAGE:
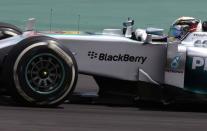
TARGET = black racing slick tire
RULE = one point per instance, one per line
(8, 30)
(40, 72)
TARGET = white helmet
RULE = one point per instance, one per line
(183, 26)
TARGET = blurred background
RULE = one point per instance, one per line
(95, 15)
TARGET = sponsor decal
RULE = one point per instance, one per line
(92, 54)
(174, 71)
(116, 57)
(175, 62)
(199, 62)
(196, 74)
(200, 35)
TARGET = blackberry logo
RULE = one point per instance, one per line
(92, 54)
(116, 57)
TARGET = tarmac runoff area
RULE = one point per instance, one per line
(89, 116)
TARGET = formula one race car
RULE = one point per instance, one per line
(39, 68)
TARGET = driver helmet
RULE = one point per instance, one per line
(183, 26)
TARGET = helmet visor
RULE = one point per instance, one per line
(174, 32)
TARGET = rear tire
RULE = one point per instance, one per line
(40, 72)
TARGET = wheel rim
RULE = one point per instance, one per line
(44, 73)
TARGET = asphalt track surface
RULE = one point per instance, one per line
(102, 117)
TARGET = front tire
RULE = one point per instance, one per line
(8, 30)
(42, 72)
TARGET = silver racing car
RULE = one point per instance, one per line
(41, 68)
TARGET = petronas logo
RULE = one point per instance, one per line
(175, 62)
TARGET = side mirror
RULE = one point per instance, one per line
(129, 22)
(128, 28)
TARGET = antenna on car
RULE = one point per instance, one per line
(51, 15)
(78, 24)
